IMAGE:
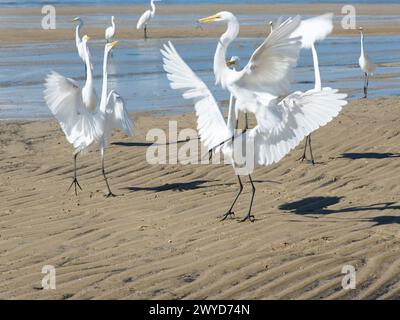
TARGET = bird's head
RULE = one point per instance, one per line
(111, 45)
(233, 61)
(76, 19)
(224, 16)
(112, 18)
(85, 38)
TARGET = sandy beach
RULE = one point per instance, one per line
(160, 239)
(128, 31)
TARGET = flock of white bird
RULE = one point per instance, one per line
(261, 89)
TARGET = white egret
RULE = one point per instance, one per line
(366, 65)
(288, 121)
(84, 129)
(110, 31)
(78, 40)
(313, 30)
(268, 73)
(146, 17)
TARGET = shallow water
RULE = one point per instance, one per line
(136, 70)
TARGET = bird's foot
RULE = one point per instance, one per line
(76, 184)
(229, 214)
(302, 158)
(249, 217)
(110, 195)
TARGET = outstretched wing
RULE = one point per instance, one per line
(210, 121)
(291, 120)
(314, 29)
(64, 99)
(269, 69)
(117, 117)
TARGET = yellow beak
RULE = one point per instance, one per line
(209, 19)
(113, 44)
(87, 38)
(230, 63)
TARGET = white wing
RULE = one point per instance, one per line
(314, 29)
(64, 99)
(210, 121)
(117, 117)
(291, 120)
(269, 68)
(143, 19)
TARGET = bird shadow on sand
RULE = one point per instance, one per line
(320, 206)
(369, 155)
(184, 186)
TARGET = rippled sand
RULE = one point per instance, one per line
(161, 238)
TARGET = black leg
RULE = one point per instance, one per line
(311, 152)
(145, 31)
(246, 122)
(230, 213)
(249, 216)
(365, 85)
(304, 157)
(110, 194)
(75, 182)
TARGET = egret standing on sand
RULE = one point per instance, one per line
(366, 65)
(84, 128)
(313, 30)
(284, 127)
(146, 17)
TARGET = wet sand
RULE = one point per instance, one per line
(128, 31)
(160, 239)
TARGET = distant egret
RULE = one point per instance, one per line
(366, 65)
(285, 124)
(82, 128)
(146, 17)
(110, 31)
(313, 30)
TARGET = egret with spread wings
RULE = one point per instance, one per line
(267, 75)
(311, 31)
(284, 127)
(85, 128)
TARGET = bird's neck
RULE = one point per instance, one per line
(153, 8)
(103, 101)
(220, 67)
(89, 73)
(318, 85)
(78, 31)
(113, 23)
(362, 44)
